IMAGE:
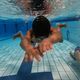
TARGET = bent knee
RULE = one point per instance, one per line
(21, 45)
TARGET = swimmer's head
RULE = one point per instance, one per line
(41, 26)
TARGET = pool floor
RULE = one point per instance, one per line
(56, 61)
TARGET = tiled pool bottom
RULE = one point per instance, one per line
(11, 56)
(57, 61)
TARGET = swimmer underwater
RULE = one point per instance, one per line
(41, 33)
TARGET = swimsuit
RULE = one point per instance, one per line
(35, 41)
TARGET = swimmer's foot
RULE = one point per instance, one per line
(18, 35)
(62, 25)
(72, 56)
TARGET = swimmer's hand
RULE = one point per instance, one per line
(32, 53)
(45, 45)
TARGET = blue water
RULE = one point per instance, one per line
(12, 26)
(74, 32)
(61, 8)
(57, 64)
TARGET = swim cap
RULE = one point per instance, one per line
(41, 26)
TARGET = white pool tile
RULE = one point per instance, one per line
(57, 61)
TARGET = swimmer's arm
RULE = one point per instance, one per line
(27, 46)
(52, 38)
(26, 42)
(28, 35)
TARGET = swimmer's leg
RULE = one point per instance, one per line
(18, 35)
(61, 25)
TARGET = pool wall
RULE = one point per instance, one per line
(11, 26)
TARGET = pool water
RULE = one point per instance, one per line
(56, 63)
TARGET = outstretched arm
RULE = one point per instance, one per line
(30, 51)
(55, 37)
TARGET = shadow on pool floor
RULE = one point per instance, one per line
(24, 73)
